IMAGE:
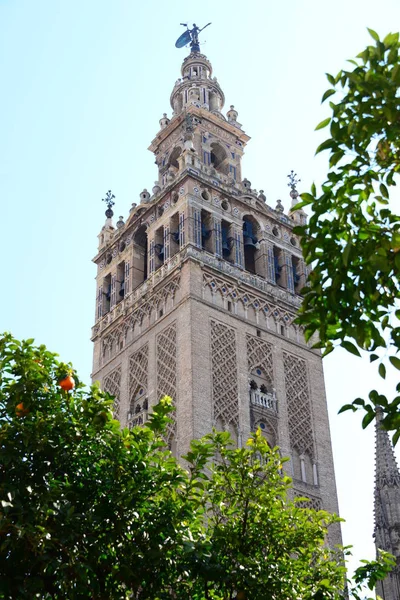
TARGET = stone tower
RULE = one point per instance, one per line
(197, 293)
(387, 509)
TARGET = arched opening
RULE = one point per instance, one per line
(106, 294)
(226, 240)
(219, 158)
(194, 95)
(214, 101)
(159, 249)
(174, 234)
(297, 275)
(173, 158)
(138, 407)
(139, 265)
(121, 268)
(261, 389)
(267, 432)
(250, 244)
(278, 266)
(206, 231)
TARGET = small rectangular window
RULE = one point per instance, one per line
(232, 170)
(282, 330)
(206, 158)
(233, 154)
(229, 306)
(160, 314)
(204, 139)
(258, 333)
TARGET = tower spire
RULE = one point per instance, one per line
(387, 507)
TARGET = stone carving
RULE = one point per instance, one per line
(298, 403)
(138, 382)
(221, 133)
(171, 139)
(259, 354)
(112, 341)
(112, 384)
(166, 371)
(224, 374)
(312, 502)
(236, 294)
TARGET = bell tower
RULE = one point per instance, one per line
(197, 293)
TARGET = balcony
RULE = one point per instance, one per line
(262, 400)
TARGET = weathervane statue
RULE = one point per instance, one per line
(190, 36)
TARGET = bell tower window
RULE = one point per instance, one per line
(296, 265)
(227, 240)
(140, 256)
(106, 294)
(278, 266)
(219, 158)
(173, 159)
(121, 281)
(250, 244)
(174, 234)
(159, 249)
(206, 231)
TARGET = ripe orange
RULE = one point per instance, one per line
(20, 410)
(67, 384)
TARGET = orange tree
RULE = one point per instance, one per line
(352, 240)
(90, 511)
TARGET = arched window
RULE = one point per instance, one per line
(219, 158)
(268, 432)
(250, 244)
(138, 408)
(139, 266)
(173, 158)
(262, 393)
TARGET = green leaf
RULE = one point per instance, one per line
(347, 407)
(346, 252)
(325, 145)
(373, 34)
(350, 347)
(395, 73)
(395, 361)
(368, 418)
(383, 190)
(327, 94)
(323, 124)
(382, 371)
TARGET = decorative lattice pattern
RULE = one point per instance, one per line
(138, 372)
(298, 402)
(112, 385)
(166, 370)
(114, 341)
(224, 373)
(311, 502)
(235, 293)
(259, 354)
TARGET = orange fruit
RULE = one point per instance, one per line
(67, 384)
(20, 410)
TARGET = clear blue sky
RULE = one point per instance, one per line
(84, 84)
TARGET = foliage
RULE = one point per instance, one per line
(352, 240)
(90, 511)
(82, 502)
